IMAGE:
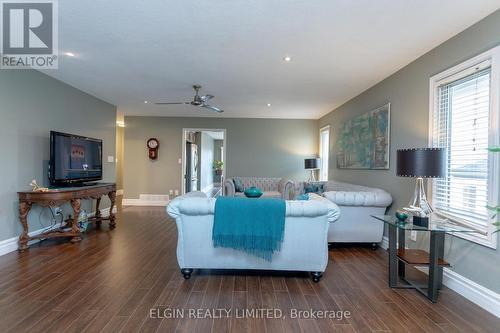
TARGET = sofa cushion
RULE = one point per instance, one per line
(313, 187)
(303, 196)
(238, 184)
(346, 194)
(271, 194)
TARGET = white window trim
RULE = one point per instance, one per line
(321, 130)
(489, 58)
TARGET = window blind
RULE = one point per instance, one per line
(461, 123)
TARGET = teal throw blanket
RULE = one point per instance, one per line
(255, 226)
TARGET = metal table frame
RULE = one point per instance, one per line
(397, 266)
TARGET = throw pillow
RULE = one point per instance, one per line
(303, 197)
(310, 188)
(314, 188)
(238, 184)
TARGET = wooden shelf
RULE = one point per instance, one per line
(417, 257)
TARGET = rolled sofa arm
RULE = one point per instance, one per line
(333, 210)
(285, 187)
(176, 206)
(229, 189)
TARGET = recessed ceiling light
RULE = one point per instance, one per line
(146, 102)
(287, 59)
(69, 54)
(268, 104)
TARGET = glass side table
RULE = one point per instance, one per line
(400, 256)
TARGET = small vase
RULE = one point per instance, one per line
(253, 192)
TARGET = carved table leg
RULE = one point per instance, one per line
(75, 204)
(112, 198)
(98, 212)
(24, 209)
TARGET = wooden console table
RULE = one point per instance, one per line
(59, 196)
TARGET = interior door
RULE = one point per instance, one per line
(194, 167)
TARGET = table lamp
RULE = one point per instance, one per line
(421, 163)
(311, 164)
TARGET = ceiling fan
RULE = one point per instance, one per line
(197, 101)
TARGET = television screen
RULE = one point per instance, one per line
(74, 158)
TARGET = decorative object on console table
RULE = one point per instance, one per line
(311, 164)
(57, 197)
(37, 188)
(421, 163)
(153, 145)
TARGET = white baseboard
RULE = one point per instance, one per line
(147, 200)
(474, 292)
(12, 244)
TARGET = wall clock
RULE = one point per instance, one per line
(153, 145)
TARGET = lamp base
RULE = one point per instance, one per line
(419, 199)
(312, 176)
(421, 221)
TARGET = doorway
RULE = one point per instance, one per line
(204, 160)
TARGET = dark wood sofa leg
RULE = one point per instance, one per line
(186, 273)
(374, 246)
(316, 276)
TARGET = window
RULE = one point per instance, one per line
(464, 119)
(324, 145)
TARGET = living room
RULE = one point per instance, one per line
(246, 167)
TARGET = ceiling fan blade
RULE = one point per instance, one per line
(206, 98)
(165, 103)
(212, 108)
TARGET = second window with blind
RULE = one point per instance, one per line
(465, 119)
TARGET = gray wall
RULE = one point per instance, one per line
(32, 104)
(255, 147)
(408, 92)
(120, 133)
(206, 160)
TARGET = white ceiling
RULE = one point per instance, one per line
(131, 51)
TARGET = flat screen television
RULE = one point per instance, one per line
(74, 159)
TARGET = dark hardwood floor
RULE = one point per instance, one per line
(112, 279)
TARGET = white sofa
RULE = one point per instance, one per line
(304, 248)
(272, 187)
(356, 204)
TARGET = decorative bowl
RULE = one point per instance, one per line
(253, 192)
(401, 216)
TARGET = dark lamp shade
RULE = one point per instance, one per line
(311, 163)
(421, 162)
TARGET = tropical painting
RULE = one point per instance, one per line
(363, 142)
